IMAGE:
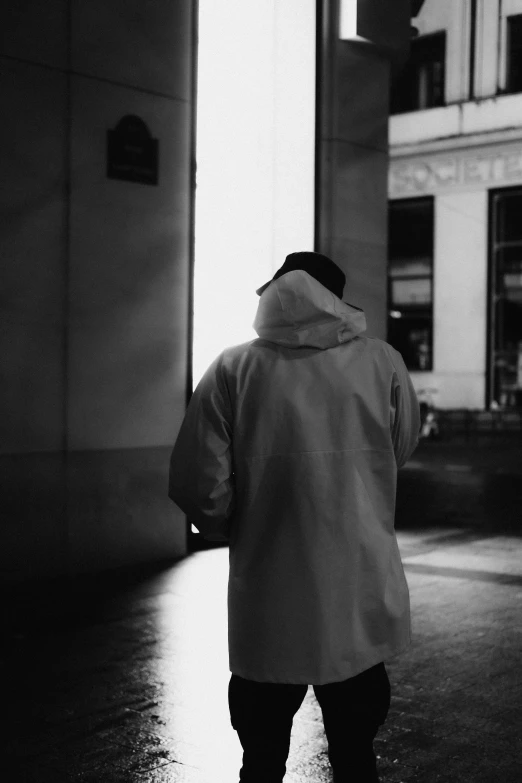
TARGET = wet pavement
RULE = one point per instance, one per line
(124, 677)
(474, 484)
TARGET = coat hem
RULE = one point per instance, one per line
(303, 679)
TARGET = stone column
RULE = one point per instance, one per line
(352, 163)
(96, 287)
(460, 299)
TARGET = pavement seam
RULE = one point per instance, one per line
(462, 573)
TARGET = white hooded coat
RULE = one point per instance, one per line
(290, 447)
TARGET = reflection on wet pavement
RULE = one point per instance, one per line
(127, 680)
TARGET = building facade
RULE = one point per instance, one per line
(455, 204)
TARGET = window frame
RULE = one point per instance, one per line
(495, 247)
(415, 61)
(509, 89)
(412, 311)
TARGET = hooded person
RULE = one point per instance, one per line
(289, 450)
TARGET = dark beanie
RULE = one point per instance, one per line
(322, 268)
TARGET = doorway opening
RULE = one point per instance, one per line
(255, 155)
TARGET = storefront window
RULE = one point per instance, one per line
(506, 299)
(421, 82)
(514, 53)
(410, 281)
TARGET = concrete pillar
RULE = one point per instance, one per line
(352, 150)
(460, 299)
(96, 280)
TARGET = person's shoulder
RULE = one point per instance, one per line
(378, 346)
(235, 352)
(226, 358)
(232, 357)
(383, 351)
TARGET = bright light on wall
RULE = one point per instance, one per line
(348, 19)
(255, 159)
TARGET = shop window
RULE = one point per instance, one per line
(410, 281)
(514, 54)
(505, 368)
(420, 85)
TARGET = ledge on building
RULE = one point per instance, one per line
(498, 113)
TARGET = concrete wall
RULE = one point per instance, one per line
(460, 300)
(95, 279)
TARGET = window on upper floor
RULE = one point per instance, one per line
(514, 54)
(410, 280)
(420, 85)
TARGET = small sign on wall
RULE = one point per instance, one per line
(132, 153)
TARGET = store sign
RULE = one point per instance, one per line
(454, 171)
(132, 153)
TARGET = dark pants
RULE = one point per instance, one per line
(262, 714)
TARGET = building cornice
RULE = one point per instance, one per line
(461, 141)
(486, 121)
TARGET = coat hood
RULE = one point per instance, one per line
(296, 311)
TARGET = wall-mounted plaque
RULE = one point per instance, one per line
(132, 153)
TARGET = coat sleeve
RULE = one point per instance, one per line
(405, 419)
(201, 478)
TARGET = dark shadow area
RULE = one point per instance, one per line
(474, 484)
(32, 608)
